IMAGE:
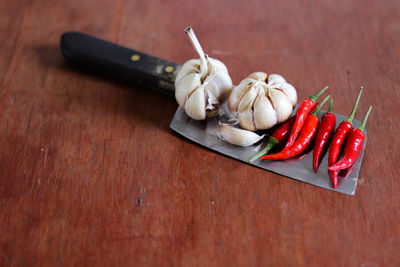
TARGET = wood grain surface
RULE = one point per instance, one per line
(91, 174)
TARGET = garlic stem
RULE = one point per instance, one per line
(197, 46)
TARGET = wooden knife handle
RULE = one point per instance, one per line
(118, 61)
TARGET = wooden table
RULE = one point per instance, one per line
(91, 174)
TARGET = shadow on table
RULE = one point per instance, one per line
(105, 93)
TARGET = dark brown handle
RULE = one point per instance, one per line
(120, 62)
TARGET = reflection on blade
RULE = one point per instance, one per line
(300, 168)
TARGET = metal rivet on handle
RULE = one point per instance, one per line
(135, 57)
(169, 69)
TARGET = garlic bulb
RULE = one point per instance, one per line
(201, 84)
(239, 137)
(260, 103)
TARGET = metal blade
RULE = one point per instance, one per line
(206, 132)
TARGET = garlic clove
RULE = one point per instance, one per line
(187, 85)
(245, 118)
(281, 103)
(236, 95)
(275, 78)
(248, 81)
(218, 83)
(259, 76)
(195, 105)
(239, 137)
(189, 67)
(218, 64)
(265, 116)
(245, 109)
(238, 92)
(289, 90)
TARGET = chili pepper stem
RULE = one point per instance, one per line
(314, 97)
(330, 106)
(362, 126)
(353, 112)
(272, 142)
(320, 106)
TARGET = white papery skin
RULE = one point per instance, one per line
(202, 83)
(262, 101)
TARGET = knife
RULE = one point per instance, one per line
(111, 59)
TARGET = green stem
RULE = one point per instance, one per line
(314, 97)
(320, 105)
(362, 126)
(272, 142)
(353, 112)
(330, 106)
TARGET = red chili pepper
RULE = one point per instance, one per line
(302, 112)
(346, 172)
(306, 135)
(353, 146)
(328, 122)
(278, 136)
(338, 140)
(314, 107)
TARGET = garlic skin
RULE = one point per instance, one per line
(262, 101)
(239, 137)
(201, 84)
